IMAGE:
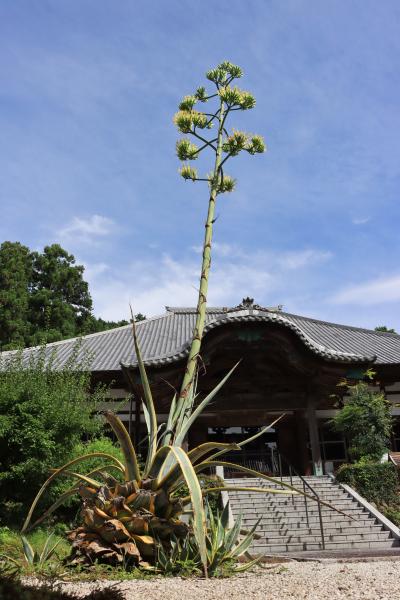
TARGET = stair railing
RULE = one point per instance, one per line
(274, 463)
(312, 491)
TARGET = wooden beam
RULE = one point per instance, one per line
(314, 437)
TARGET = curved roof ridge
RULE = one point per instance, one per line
(341, 326)
(319, 349)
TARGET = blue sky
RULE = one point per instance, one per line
(88, 90)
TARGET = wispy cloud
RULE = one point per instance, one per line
(361, 220)
(86, 230)
(303, 258)
(153, 283)
(293, 259)
(376, 291)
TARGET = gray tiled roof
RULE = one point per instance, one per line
(165, 339)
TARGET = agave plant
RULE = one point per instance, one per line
(124, 522)
(127, 521)
(35, 558)
(224, 548)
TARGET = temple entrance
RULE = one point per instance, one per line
(260, 454)
(285, 446)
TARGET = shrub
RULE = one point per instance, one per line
(366, 422)
(44, 414)
(377, 482)
(392, 513)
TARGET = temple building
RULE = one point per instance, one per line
(287, 364)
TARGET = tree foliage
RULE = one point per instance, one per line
(44, 297)
(44, 414)
(366, 422)
(385, 329)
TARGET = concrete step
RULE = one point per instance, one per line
(348, 545)
(301, 524)
(349, 511)
(281, 499)
(336, 537)
(286, 526)
(296, 510)
(315, 530)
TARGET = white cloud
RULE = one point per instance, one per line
(152, 284)
(85, 230)
(303, 258)
(361, 220)
(376, 291)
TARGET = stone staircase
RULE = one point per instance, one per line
(284, 527)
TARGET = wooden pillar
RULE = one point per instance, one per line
(302, 440)
(314, 437)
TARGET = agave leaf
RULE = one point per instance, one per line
(131, 463)
(103, 468)
(202, 449)
(158, 463)
(89, 480)
(199, 519)
(233, 534)
(60, 472)
(54, 506)
(181, 434)
(225, 516)
(48, 550)
(148, 398)
(172, 417)
(31, 556)
(215, 463)
(231, 488)
(245, 543)
(147, 421)
(246, 566)
(175, 476)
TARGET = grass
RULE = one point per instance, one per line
(11, 544)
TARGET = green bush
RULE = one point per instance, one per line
(376, 482)
(392, 513)
(366, 421)
(44, 414)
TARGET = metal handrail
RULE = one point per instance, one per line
(276, 459)
(305, 484)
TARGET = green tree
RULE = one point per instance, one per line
(98, 324)
(60, 303)
(44, 414)
(223, 146)
(44, 297)
(385, 329)
(366, 422)
(15, 281)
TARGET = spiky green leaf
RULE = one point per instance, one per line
(132, 470)
(148, 399)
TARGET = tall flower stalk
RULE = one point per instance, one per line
(224, 145)
(132, 516)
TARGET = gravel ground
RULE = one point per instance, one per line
(376, 580)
